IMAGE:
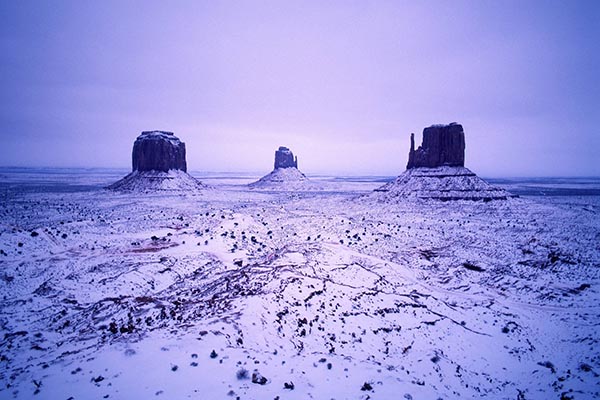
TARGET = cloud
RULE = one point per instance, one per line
(338, 81)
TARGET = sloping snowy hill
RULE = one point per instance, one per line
(286, 179)
(150, 181)
(440, 183)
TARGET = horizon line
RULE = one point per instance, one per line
(312, 173)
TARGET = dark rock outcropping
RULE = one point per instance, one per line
(158, 151)
(436, 171)
(158, 163)
(443, 145)
(284, 158)
(285, 176)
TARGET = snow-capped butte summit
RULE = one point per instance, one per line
(158, 163)
(436, 170)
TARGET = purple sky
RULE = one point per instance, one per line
(343, 84)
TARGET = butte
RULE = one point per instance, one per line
(285, 175)
(158, 164)
(436, 170)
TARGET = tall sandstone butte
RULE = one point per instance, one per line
(285, 175)
(284, 158)
(158, 163)
(436, 171)
(443, 145)
(158, 151)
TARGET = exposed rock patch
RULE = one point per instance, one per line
(284, 158)
(443, 145)
(158, 151)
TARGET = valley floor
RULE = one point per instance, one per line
(237, 293)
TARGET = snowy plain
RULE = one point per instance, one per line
(232, 292)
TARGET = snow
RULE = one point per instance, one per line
(187, 294)
(440, 183)
(151, 181)
(160, 135)
(286, 179)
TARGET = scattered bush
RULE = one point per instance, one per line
(289, 385)
(242, 374)
(258, 378)
(472, 267)
(549, 365)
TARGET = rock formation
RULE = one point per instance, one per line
(284, 158)
(158, 163)
(158, 151)
(436, 170)
(286, 175)
(443, 145)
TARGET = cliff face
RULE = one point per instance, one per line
(158, 151)
(284, 158)
(443, 145)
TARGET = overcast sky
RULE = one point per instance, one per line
(343, 84)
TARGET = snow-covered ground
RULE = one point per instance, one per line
(285, 179)
(229, 292)
(153, 181)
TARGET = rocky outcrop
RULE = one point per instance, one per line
(158, 163)
(285, 176)
(284, 158)
(443, 145)
(158, 151)
(436, 171)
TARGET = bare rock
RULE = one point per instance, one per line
(443, 145)
(158, 151)
(284, 158)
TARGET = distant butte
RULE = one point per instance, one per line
(158, 163)
(158, 151)
(285, 175)
(284, 158)
(443, 145)
(436, 170)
